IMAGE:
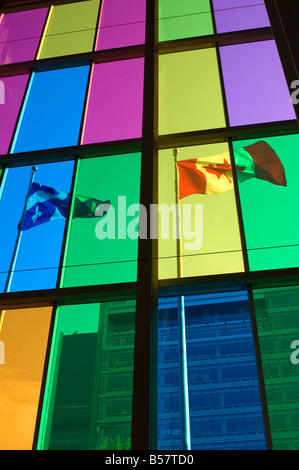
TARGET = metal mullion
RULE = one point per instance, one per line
(259, 364)
(84, 58)
(44, 377)
(147, 273)
(69, 295)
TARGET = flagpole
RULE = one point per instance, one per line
(20, 233)
(184, 393)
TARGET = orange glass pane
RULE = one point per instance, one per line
(23, 336)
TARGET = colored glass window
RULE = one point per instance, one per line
(237, 15)
(277, 315)
(121, 24)
(24, 335)
(209, 224)
(251, 97)
(20, 35)
(52, 112)
(70, 29)
(12, 91)
(178, 20)
(269, 202)
(88, 396)
(40, 248)
(115, 102)
(105, 250)
(189, 99)
(224, 398)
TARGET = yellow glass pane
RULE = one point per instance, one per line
(211, 241)
(190, 96)
(70, 29)
(23, 336)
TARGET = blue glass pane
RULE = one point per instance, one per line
(52, 112)
(224, 396)
(40, 248)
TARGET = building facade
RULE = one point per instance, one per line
(149, 282)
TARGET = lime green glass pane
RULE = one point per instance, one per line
(277, 315)
(70, 29)
(178, 20)
(88, 395)
(105, 251)
(270, 211)
(190, 96)
(210, 244)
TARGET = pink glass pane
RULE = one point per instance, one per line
(115, 102)
(122, 23)
(20, 35)
(236, 15)
(255, 85)
(12, 92)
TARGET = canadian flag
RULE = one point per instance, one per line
(213, 174)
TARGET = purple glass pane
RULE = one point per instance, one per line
(255, 85)
(115, 103)
(236, 15)
(20, 35)
(121, 24)
(12, 92)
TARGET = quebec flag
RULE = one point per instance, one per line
(45, 204)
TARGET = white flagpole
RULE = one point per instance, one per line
(20, 233)
(184, 392)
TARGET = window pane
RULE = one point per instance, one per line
(52, 113)
(189, 99)
(209, 228)
(88, 398)
(186, 19)
(21, 374)
(70, 29)
(269, 201)
(249, 92)
(121, 24)
(236, 15)
(12, 92)
(20, 35)
(40, 249)
(114, 110)
(282, 390)
(224, 397)
(105, 250)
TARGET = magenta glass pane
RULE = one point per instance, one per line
(12, 92)
(255, 85)
(236, 15)
(122, 23)
(20, 35)
(115, 102)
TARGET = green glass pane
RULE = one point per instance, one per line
(210, 242)
(178, 20)
(70, 29)
(88, 396)
(105, 250)
(269, 210)
(277, 315)
(190, 96)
